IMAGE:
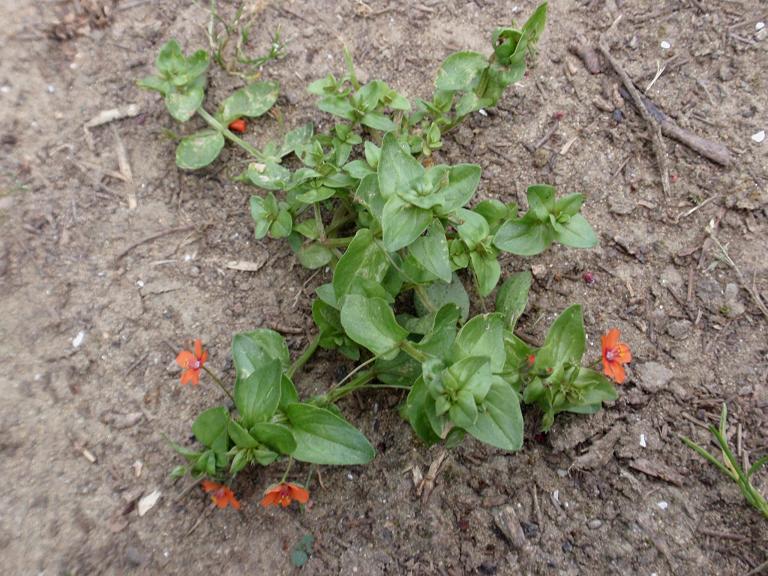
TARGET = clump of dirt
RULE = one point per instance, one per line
(90, 329)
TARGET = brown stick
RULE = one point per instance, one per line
(653, 125)
(710, 149)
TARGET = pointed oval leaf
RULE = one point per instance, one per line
(364, 258)
(275, 436)
(500, 420)
(403, 223)
(371, 323)
(431, 251)
(253, 350)
(397, 168)
(324, 438)
(258, 395)
(210, 428)
(512, 297)
(199, 149)
(251, 101)
(483, 335)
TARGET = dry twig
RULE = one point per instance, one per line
(653, 126)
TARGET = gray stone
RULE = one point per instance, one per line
(595, 524)
(653, 376)
(679, 329)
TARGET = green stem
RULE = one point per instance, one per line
(305, 356)
(337, 242)
(358, 382)
(218, 381)
(412, 351)
(288, 469)
(215, 124)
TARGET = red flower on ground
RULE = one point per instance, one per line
(615, 355)
(283, 494)
(238, 125)
(221, 495)
(192, 363)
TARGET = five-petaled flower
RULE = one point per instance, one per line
(238, 125)
(615, 355)
(283, 494)
(221, 495)
(191, 363)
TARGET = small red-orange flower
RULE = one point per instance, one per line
(531, 360)
(221, 495)
(191, 363)
(615, 355)
(238, 125)
(283, 494)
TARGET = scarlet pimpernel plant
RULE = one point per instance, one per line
(370, 200)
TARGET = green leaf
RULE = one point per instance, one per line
(500, 420)
(378, 121)
(487, 271)
(524, 236)
(314, 255)
(252, 351)
(369, 196)
(317, 194)
(275, 436)
(199, 149)
(240, 436)
(595, 387)
(473, 228)
(463, 412)
(371, 323)
(258, 395)
(463, 180)
(338, 106)
(324, 438)
(483, 335)
(363, 259)
(210, 428)
(398, 170)
(282, 225)
(471, 374)
(565, 341)
(431, 251)
(183, 102)
(576, 232)
(402, 223)
(170, 60)
(460, 71)
(439, 294)
(156, 84)
(251, 101)
(288, 393)
(512, 297)
(415, 412)
(296, 138)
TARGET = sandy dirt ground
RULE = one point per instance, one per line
(96, 298)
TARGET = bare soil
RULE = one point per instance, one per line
(83, 427)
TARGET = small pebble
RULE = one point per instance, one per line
(643, 443)
(78, 340)
(51, 88)
(759, 26)
(663, 505)
(595, 524)
(665, 45)
(758, 136)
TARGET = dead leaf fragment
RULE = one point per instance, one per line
(148, 502)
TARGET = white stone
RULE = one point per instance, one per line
(758, 136)
(663, 505)
(665, 45)
(78, 340)
(146, 503)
